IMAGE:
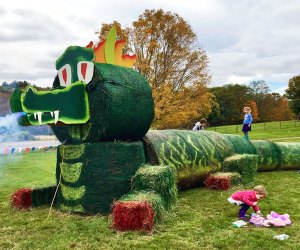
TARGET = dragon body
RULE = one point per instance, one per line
(102, 113)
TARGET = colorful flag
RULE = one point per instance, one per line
(5, 151)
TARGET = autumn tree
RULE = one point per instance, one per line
(231, 99)
(293, 94)
(169, 56)
(282, 110)
(260, 93)
(273, 107)
(254, 110)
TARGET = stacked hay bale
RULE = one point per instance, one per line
(159, 179)
(93, 175)
(137, 211)
(244, 164)
(154, 191)
(100, 157)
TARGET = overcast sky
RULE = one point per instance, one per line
(245, 40)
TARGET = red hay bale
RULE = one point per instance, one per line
(217, 182)
(133, 215)
(22, 198)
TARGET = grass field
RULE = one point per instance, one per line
(201, 220)
(285, 131)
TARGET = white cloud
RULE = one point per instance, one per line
(244, 40)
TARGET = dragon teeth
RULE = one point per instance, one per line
(39, 115)
(56, 115)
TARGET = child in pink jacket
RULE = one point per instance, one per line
(248, 198)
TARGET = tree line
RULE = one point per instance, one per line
(169, 55)
(265, 106)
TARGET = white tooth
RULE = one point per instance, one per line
(35, 115)
(51, 113)
(56, 115)
(39, 114)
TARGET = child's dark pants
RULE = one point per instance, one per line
(243, 210)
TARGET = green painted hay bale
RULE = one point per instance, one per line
(244, 164)
(240, 145)
(269, 155)
(154, 199)
(43, 196)
(160, 179)
(121, 107)
(290, 155)
(94, 175)
(223, 147)
(192, 154)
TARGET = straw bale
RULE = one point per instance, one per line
(160, 179)
(244, 164)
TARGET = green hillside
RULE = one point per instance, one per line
(286, 131)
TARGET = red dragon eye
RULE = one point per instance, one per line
(65, 76)
(85, 71)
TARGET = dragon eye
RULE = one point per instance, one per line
(65, 75)
(85, 71)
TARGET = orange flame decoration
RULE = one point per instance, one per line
(118, 58)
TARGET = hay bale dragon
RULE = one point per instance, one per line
(101, 110)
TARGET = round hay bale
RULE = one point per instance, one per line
(290, 155)
(240, 145)
(121, 107)
(193, 154)
(269, 155)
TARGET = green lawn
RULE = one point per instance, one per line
(201, 220)
(285, 131)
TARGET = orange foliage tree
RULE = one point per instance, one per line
(169, 56)
(254, 110)
(282, 111)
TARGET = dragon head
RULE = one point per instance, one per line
(95, 96)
